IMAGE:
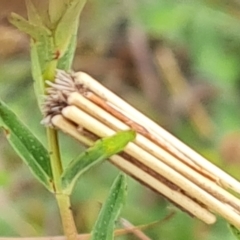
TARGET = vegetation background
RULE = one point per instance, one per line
(176, 61)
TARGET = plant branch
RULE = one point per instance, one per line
(68, 223)
(86, 236)
(55, 158)
(63, 201)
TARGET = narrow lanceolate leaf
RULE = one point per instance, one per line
(26, 145)
(104, 227)
(57, 9)
(37, 73)
(42, 39)
(235, 231)
(32, 28)
(33, 15)
(65, 62)
(23, 25)
(102, 150)
(67, 26)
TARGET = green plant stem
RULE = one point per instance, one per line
(68, 223)
(52, 136)
(51, 70)
(55, 158)
(63, 200)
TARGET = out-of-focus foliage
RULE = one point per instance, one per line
(120, 43)
(234, 231)
(210, 35)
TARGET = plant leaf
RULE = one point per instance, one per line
(65, 62)
(24, 26)
(37, 74)
(28, 147)
(56, 9)
(67, 26)
(102, 149)
(33, 15)
(45, 51)
(104, 227)
(41, 35)
(234, 231)
(43, 54)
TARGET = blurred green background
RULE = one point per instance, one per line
(176, 61)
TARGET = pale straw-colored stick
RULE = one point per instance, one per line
(175, 196)
(81, 118)
(168, 139)
(202, 181)
(156, 158)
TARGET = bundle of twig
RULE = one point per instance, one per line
(80, 106)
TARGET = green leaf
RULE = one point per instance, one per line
(101, 150)
(234, 231)
(67, 26)
(24, 26)
(56, 9)
(37, 74)
(33, 15)
(45, 51)
(28, 147)
(104, 227)
(65, 62)
(33, 28)
(41, 35)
